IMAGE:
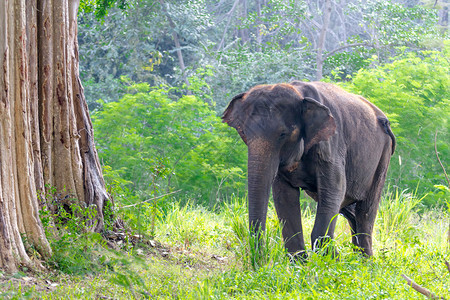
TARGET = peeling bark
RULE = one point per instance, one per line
(46, 136)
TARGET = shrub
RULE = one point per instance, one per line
(161, 141)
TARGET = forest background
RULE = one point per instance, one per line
(158, 74)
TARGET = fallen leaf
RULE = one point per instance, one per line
(219, 258)
(26, 278)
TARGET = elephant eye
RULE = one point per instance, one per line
(283, 135)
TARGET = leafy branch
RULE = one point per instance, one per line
(151, 199)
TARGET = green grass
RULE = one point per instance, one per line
(200, 254)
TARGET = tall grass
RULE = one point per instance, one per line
(405, 242)
(397, 217)
(211, 255)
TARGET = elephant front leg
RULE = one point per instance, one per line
(331, 192)
(287, 204)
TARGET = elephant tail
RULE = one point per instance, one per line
(384, 122)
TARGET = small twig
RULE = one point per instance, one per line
(447, 264)
(326, 55)
(439, 160)
(421, 289)
(448, 182)
(132, 205)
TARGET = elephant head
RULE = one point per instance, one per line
(279, 126)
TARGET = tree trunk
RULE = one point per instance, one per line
(259, 34)
(46, 136)
(443, 17)
(322, 38)
(243, 32)
(176, 40)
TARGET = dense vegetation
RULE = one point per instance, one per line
(157, 76)
(200, 254)
(160, 141)
(391, 53)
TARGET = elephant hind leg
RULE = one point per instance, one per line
(366, 210)
(349, 213)
(365, 219)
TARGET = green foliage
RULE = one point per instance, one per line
(413, 90)
(342, 65)
(124, 43)
(259, 42)
(76, 251)
(100, 7)
(396, 24)
(350, 277)
(380, 28)
(240, 68)
(66, 213)
(257, 251)
(159, 141)
(78, 254)
(204, 256)
(193, 227)
(277, 22)
(397, 211)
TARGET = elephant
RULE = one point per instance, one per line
(313, 136)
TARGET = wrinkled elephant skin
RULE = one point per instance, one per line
(317, 137)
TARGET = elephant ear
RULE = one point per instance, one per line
(232, 117)
(318, 122)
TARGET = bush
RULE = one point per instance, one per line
(160, 141)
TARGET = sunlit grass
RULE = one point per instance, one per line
(211, 255)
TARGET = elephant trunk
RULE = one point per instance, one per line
(262, 168)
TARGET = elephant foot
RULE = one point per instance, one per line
(326, 247)
(363, 252)
(299, 256)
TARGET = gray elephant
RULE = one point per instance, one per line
(319, 138)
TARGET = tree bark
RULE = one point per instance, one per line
(46, 136)
(176, 40)
(322, 38)
(229, 16)
(243, 32)
(259, 24)
(443, 16)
